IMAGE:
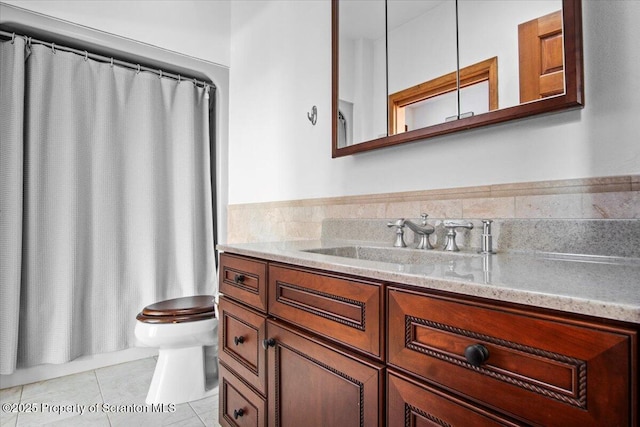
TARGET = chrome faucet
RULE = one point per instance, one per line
(423, 230)
(450, 244)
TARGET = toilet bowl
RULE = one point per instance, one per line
(180, 328)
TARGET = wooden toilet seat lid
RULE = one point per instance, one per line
(185, 309)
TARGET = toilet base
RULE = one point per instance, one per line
(179, 376)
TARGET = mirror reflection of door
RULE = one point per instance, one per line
(490, 28)
(428, 103)
(541, 57)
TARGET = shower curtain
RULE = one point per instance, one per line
(106, 201)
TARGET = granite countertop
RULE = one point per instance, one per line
(606, 287)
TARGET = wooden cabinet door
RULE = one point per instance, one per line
(312, 384)
(541, 57)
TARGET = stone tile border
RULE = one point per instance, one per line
(615, 197)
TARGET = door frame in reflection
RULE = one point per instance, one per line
(479, 72)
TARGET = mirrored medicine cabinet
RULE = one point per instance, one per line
(407, 70)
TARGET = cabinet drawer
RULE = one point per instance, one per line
(344, 310)
(241, 333)
(239, 405)
(244, 279)
(414, 404)
(547, 370)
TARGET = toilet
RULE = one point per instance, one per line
(180, 328)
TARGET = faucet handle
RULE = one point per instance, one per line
(424, 218)
(450, 244)
(399, 225)
(457, 224)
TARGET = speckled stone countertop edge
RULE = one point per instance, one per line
(614, 307)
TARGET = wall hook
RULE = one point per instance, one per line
(313, 116)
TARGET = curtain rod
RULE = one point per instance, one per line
(109, 60)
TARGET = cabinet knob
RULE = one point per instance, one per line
(271, 342)
(476, 354)
(238, 278)
(238, 340)
(237, 413)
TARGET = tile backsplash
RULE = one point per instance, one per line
(591, 198)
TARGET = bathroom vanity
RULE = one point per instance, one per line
(312, 337)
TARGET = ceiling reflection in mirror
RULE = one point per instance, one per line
(362, 95)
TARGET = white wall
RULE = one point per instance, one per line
(281, 66)
(195, 28)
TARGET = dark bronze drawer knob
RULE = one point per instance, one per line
(476, 354)
(271, 342)
(238, 278)
(238, 340)
(237, 413)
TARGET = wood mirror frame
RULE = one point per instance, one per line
(573, 96)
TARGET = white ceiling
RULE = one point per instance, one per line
(365, 18)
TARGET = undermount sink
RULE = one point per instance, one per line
(394, 255)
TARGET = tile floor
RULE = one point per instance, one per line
(122, 388)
